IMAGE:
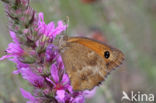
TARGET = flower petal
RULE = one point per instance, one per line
(60, 94)
(41, 17)
(78, 99)
(54, 73)
(51, 53)
(89, 94)
(60, 63)
(18, 63)
(59, 28)
(14, 49)
(37, 81)
(14, 38)
(65, 79)
(27, 95)
(5, 57)
(50, 81)
(16, 72)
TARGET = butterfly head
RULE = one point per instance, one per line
(113, 57)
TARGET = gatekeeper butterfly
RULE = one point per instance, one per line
(87, 62)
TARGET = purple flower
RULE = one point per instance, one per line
(60, 82)
(14, 49)
(49, 30)
(51, 53)
(28, 96)
(19, 65)
(34, 79)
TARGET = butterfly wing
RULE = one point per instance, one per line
(116, 56)
(84, 65)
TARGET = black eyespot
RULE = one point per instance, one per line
(106, 54)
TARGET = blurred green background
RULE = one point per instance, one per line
(129, 25)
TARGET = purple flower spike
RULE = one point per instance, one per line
(37, 58)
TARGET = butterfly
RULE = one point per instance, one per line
(88, 62)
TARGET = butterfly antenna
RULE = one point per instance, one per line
(66, 21)
(63, 36)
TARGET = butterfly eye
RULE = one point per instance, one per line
(106, 54)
